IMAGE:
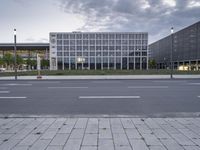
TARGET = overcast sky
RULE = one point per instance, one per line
(34, 19)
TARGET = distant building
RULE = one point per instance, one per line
(26, 50)
(186, 49)
(101, 50)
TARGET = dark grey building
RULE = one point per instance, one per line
(185, 46)
(98, 50)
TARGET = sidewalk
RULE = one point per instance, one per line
(100, 133)
(103, 77)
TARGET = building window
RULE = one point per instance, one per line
(72, 36)
(59, 42)
(66, 42)
(92, 36)
(85, 36)
(59, 53)
(111, 36)
(118, 36)
(59, 36)
(66, 36)
(79, 36)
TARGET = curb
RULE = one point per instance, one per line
(158, 115)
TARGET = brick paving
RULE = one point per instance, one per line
(100, 134)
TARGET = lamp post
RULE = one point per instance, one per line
(15, 49)
(171, 54)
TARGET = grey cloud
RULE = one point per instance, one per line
(129, 15)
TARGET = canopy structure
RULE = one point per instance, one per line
(25, 46)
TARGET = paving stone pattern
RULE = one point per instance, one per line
(100, 133)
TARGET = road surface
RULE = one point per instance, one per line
(100, 97)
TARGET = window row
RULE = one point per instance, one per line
(102, 54)
(101, 36)
(104, 60)
(100, 48)
(102, 42)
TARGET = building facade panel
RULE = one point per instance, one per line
(185, 49)
(105, 50)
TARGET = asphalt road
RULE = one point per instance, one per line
(100, 97)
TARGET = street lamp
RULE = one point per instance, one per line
(171, 55)
(15, 49)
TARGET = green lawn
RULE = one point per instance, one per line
(100, 72)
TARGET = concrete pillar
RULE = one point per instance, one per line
(101, 58)
(121, 62)
(115, 59)
(63, 59)
(178, 64)
(189, 68)
(127, 62)
(108, 61)
(134, 62)
(196, 65)
(69, 62)
(76, 63)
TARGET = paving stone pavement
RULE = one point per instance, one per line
(100, 133)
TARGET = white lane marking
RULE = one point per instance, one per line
(68, 87)
(15, 84)
(106, 81)
(198, 96)
(43, 82)
(13, 97)
(109, 97)
(2, 92)
(194, 83)
(171, 81)
(148, 87)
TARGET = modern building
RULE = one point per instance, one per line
(100, 50)
(184, 46)
(26, 50)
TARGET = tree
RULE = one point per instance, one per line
(8, 59)
(19, 61)
(28, 63)
(152, 64)
(31, 63)
(1, 62)
(44, 63)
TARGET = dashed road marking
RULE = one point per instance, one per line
(106, 82)
(2, 92)
(15, 84)
(67, 87)
(13, 97)
(109, 97)
(148, 87)
(32, 82)
(194, 83)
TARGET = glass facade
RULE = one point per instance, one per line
(79, 50)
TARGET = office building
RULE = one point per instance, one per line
(100, 50)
